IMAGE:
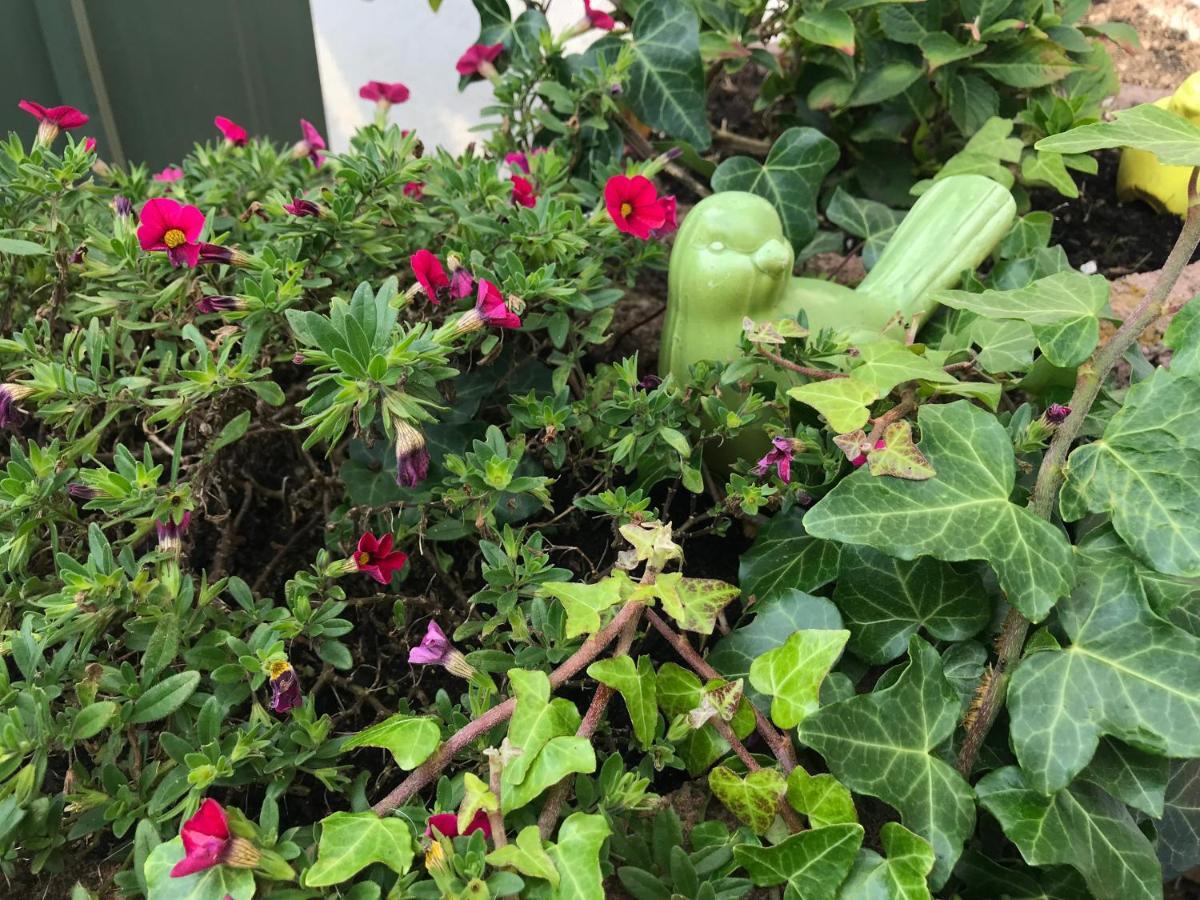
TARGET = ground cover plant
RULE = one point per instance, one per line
(343, 554)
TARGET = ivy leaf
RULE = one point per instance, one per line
(822, 798)
(216, 883)
(1170, 137)
(812, 863)
(793, 673)
(842, 401)
(753, 799)
(1135, 777)
(666, 80)
(1179, 829)
(527, 856)
(1047, 168)
(1126, 673)
(636, 685)
(536, 720)
(679, 693)
(883, 364)
(583, 603)
(1030, 64)
(1063, 309)
(1080, 826)
(899, 877)
(963, 513)
(1183, 337)
(694, 602)
(885, 601)
(576, 856)
(899, 457)
(352, 841)
(866, 219)
(790, 178)
(1142, 472)
(559, 757)
(410, 739)
(785, 557)
(989, 879)
(874, 750)
(476, 796)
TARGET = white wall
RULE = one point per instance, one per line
(403, 40)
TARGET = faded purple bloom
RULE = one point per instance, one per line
(123, 206)
(218, 303)
(300, 207)
(82, 491)
(78, 255)
(215, 253)
(1057, 413)
(435, 649)
(311, 145)
(170, 532)
(412, 456)
(11, 394)
(285, 687)
(649, 382)
(780, 456)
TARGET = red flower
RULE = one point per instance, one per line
(393, 92)
(447, 825)
(430, 274)
(376, 558)
(517, 161)
(89, 144)
(61, 117)
(312, 144)
(601, 20)
(478, 59)
(522, 192)
(670, 223)
(173, 227)
(169, 174)
(414, 189)
(634, 205)
(780, 456)
(490, 306)
(301, 207)
(234, 133)
(207, 842)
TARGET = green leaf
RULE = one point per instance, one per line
(790, 178)
(753, 799)
(15, 247)
(986, 153)
(164, 698)
(666, 80)
(1179, 829)
(899, 877)
(694, 602)
(972, 101)
(536, 720)
(882, 744)
(679, 693)
(884, 82)
(827, 27)
(1063, 309)
(884, 364)
(559, 757)
(352, 841)
(842, 401)
(91, 720)
(963, 513)
(1183, 337)
(1027, 64)
(583, 603)
(989, 879)
(636, 685)
(1135, 777)
(793, 673)
(411, 739)
(866, 219)
(812, 863)
(1142, 473)
(1047, 168)
(1125, 673)
(1007, 345)
(477, 796)
(940, 48)
(1081, 827)
(899, 456)
(885, 601)
(577, 857)
(784, 557)
(216, 883)
(527, 856)
(1172, 138)
(822, 798)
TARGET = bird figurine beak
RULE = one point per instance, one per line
(773, 258)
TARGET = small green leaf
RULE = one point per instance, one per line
(164, 698)
(842, 401)
(583, 603)
(559, 757)
(793, 673)
(866, 219)
(902, 876)
(352, 841)
(476, 796)
(636, 685)
(753, 799)
(827, 27)
(15, 247)
(535, 721)
(527, 856)
(215, 883)
(822, 798)
(576, 856)
(812, 863)
(91, 720)
(694, 602)
(1172, 138)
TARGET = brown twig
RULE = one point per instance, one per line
(907, 404)
(741, 142)
(807, 371)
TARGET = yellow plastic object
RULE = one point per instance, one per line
(1142, 177)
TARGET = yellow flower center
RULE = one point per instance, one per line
(364, 558)
(278, 667)
(174, 237)
(626, 209)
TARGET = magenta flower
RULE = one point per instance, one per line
(461, 282)
(311, 144)
(446, 824)
(52, 119)
(412, 455)
(478, 60)
(207, 842)
(491, 308)
(285, 687)
(435, 649)
(301, 208)
(233, 132)
(169, 174)
(213, 303)
(375, 557)
(430, 275)
(522, 192)
(670, 222)
(780, 456)
(414, 189)
(1057, 413)
(634, 205)
(598, 19)
(384, 92)
(89, 145)
(10, 395)
(517, 161)
(171, 226)
(170, 532)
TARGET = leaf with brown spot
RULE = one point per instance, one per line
(899, 457)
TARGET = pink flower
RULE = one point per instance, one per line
(522, 192)
(412, 455)
(170, 532)
(169, 174)
(393, 92)
(234, 133)
(517, 161)
(598, 19)
(435, 649)
(414, 189)
(285, 687)
(780, 456)
(375, 557)
(171, 226)
(478, 59)
(207, 842)
(430, 274)
(301, 207)
(634, 205)
(461, 282)
(311, 145)
(52, 119)
(491, 308)
(89, 145)
(670, 223)
(447, 825)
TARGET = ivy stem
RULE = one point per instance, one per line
(779, 744)
(990, 694)
(807, 371)
(907, 404)
(429, 770)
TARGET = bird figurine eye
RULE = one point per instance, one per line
(716, 246)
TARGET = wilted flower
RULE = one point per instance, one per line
(670, 222)
(522, 192)
(414, 189)
(490, 309)
(52, 119)
(11, 394)
(435, 649)
(170, 532)
(123, 206)
(169, 174)
(215, 253)
(375, 557)
(300, 207)
(233, 132)
(478, 59)
(412, 456)
(89, 144)
(517, 161)
(461, 281)
(384, 92)
(598, 19)
(207, 842)
(78, 255)
(447, 825)
(213, 303)
(430, 275)
(1057, 413)
(171, 226)
(82, 491)
(634, 205)
(311, 144)
(649, 382)
(285, 687)
(435, 860)
(781, 454)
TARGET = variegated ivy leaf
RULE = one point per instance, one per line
(694, 603)
(1080, 826)
(719, 700)
(886, 600)
(476, 796)
(882, 744)
(811, 864)
(792, 674)
(576, 856)
(899, 456)
(1179, 829)
(680, 692)
(822, 798)
(527, 856)
(636, 685)
(1125, 673)
(964, 513)
(901, 876)
(853, 444)
(753, 799)
(410, 739)
(778, 332)
(584, 603)
(1145, 472)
